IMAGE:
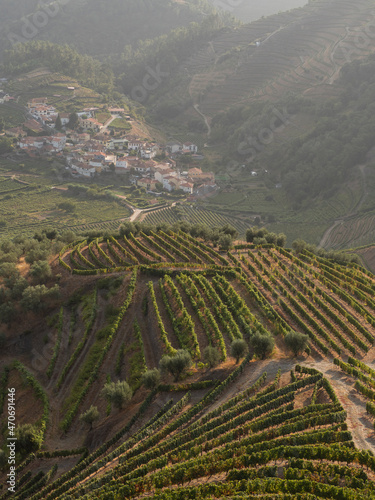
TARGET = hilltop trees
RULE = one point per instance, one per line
(61, 58)
(261, 235)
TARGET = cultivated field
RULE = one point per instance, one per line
(256, 428)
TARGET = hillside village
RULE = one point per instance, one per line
(90, 148)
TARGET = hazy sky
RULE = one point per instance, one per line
(250, 10)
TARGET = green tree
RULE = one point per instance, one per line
(28, 439)
(238, 349)
(151, 378)
(262, 344)
(9, 271)
(211, 356)
(37, 253)
(296, 342)
(281, 240)
(58, 124)
(7, 313)
(67, 206)
(176, 364)
(40, 270)
(17, 287)
(34, 297)
(6, 145)
(90, 416)
(73, 121)
(225, 241)
(118, 393)
(299, 245)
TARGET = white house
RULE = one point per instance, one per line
(187, 187)
(90, 124)
(64, 117)
(174, 147)
(84, 169)
(148, 154)
(122, 162)
(161, 174)
(58, 141)
(43, 112)
(26, 142)
(110, 159)
(135, 145)
(97, 160)
(167, 182)
(189, 147)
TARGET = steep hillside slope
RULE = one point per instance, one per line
(125, 303)
(95, 27)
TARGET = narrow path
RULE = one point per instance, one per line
(359, 425)
(108, 122)
(337, 68)
(196, 107)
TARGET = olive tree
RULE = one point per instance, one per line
(238, 349)
(176, 364)
(118, 393)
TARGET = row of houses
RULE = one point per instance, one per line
(185, 147)
(45, 144)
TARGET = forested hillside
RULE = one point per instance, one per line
(59, 58)
(95, 27)
(319, 161)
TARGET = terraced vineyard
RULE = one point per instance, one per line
(301, 50)
(195, 216)
(246, 446)
(333, 305)
(355, 232)
(260, 429)
(29, 208)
